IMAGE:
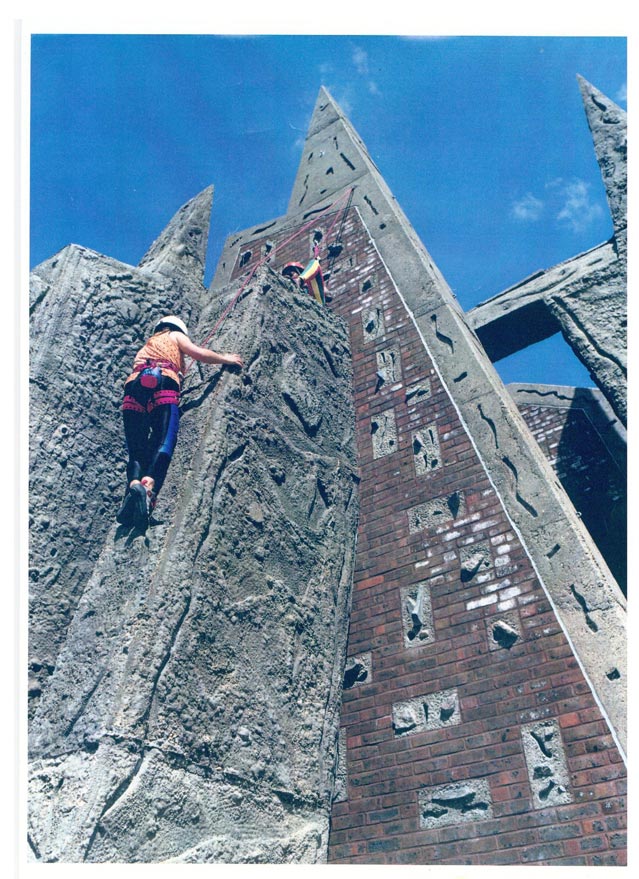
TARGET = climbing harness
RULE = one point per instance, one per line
(151, 371)
(162, 397)
(266, 258)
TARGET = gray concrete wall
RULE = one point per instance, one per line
(193, 712)
(89, 314)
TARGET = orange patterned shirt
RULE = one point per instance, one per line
(161, 347)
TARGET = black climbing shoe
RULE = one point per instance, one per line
(127, 510)
(140, 507)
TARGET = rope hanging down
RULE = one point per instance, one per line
(265, 259)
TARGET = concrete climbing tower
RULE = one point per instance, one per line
(380, 614)
(484, 706)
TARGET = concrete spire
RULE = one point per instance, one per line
(334, 156)
(181, 247)
(608, 127)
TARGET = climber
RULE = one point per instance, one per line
(309, 278)
(151, 416)
(293, 270)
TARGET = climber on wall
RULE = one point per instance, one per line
(309, 278)
(293, 270)
(151, 416)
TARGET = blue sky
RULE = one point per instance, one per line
(483, 140)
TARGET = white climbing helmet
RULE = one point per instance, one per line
(171, 321)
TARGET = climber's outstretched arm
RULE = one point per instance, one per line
(205, 355)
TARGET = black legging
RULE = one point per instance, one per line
(150, 436)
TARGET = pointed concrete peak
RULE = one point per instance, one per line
(608, 126)
(596, 103)
(181, 247)
(334, 156)
(325, 113)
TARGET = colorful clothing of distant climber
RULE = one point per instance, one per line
(309, 278)
(151, 416)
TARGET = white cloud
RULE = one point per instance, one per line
(622, 93)
(569, 201)
(346, 106)
(360, 60)
(528, 209)
(577, 209)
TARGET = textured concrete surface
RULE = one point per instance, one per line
(192, 711)
(89, 313)
(608, 126)
(585, 299)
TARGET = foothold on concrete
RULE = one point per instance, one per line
(429, 712)
(437, 512)
(456, 803)
(476, 558)
(389, 364)
(426, 450)
(384, 433)
(546, 762)
(373, 323)
(358, 671)
(504, 631)
(417, 615)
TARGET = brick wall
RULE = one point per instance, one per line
(589, 473)
(469, 735)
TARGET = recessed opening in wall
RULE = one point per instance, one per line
(549, 362)
(245, 258)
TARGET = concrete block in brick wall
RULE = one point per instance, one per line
(358, 671)
(384, 433)
(433, 711)
(475, 560)
(437, 512)
(373, 323)
(417, 615)
(426, 451)
(504, 631)
(455, 803)
(546, 763)
(418, 392)
(389, 365)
